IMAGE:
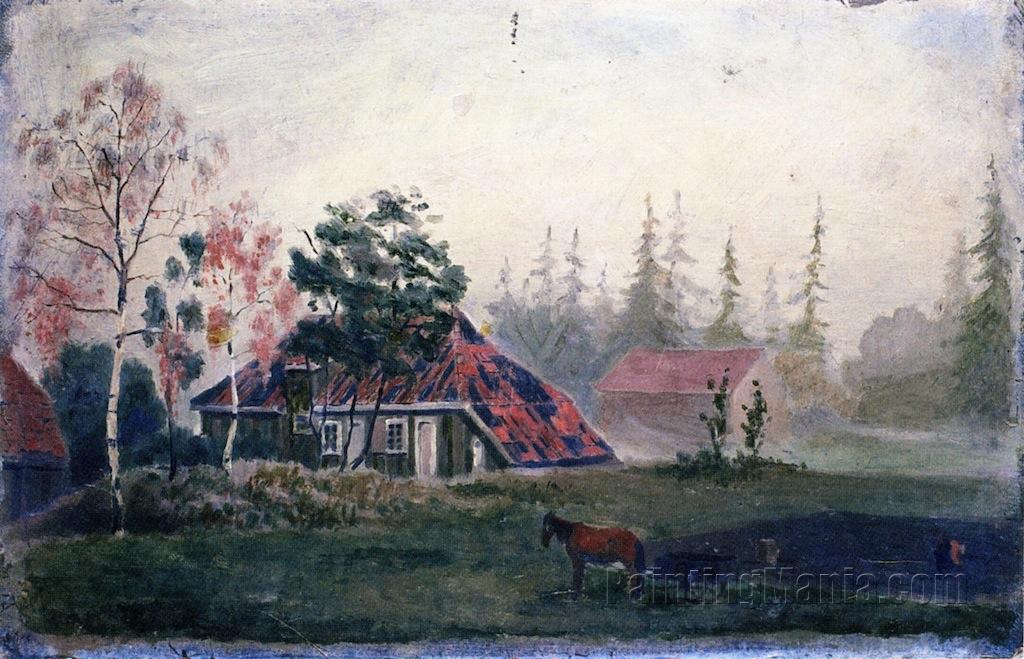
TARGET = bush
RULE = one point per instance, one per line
(810, 386)
(709, 465)
(257, 495)
(79, 384)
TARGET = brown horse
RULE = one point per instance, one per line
(597, 546)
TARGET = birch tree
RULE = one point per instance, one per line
(114, 173)
(250, 292)
(771, 309)
(170, 332)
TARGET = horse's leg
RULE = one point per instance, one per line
(635, 581)
(578, 565)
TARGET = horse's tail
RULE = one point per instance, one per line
(640, 560)
(638, 579)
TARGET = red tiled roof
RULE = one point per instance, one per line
(536, 424)
(28, 423)
(648, 371)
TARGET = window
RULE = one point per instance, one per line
(300, 424)
(396, 429)
(330, 437)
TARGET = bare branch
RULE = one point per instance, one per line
(310, 240)
(70, 303)
(142, 156)
(139, 241)
(86, 243)
(95, 182)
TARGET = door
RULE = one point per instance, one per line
(426, 448)
(479, 455)
(358, 437)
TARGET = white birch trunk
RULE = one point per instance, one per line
(229, 444)
(113, 454)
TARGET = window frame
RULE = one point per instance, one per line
(403, 426)
(326, 448)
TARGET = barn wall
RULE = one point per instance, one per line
(653, 427)
(777, 429)
(29, 485)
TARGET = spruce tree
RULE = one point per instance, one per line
(808, 334)
(984, 364)
(573, 279)
(573, 350)
(542, 276)
(683, 292)
(604, 308)
(725, 331)
(771, 313)
(648, 318)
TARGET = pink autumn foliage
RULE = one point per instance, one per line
(118, 159)
(252, 291)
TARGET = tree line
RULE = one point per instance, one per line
(571, 333)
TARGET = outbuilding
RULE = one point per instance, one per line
(33, 451)
(650, 402)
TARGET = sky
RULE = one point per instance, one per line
(750, 108)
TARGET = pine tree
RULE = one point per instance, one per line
(725, 331)
(984, 365)
(648, 318)
(808, 334)
(682, 291)
(551, 328)
(771, 313)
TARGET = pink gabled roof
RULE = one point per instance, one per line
(649, 371)
(536, 424)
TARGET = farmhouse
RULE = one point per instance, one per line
(649, 404)
(33, 451)
(473, 409)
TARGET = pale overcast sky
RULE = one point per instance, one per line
(890, 112)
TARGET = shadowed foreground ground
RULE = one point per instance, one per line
(885, 548)
(465, 562)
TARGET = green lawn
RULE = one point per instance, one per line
(861, 449)
(468, 563)
(919, 400)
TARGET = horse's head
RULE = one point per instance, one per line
(547, 530)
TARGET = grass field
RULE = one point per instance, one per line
(467, 562)
(856, 448)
